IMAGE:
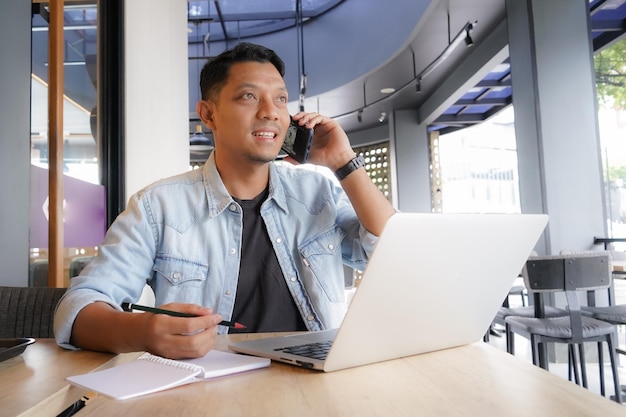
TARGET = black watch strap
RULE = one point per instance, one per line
(354, 164)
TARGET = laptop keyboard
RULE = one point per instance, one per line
(317, 350)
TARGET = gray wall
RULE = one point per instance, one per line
(412, 162)
(15, 18)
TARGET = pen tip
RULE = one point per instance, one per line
(239, 326)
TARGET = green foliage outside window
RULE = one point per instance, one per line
(610, 68)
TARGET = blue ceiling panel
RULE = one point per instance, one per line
(608, 22)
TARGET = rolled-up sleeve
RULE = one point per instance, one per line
(119, 273)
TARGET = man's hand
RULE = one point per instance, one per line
(99, 326)
(181, 337)
(331, 146)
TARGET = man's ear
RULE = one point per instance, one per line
(204, 108)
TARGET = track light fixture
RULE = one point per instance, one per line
(463, 36)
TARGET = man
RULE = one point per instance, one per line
(242, 239)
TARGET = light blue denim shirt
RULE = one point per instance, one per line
(182, 236)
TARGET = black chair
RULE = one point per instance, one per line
(28, 311)
(571, 274)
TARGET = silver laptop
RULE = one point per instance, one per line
(434, 281)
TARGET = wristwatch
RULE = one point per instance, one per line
(354, 164)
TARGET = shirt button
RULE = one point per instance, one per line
(292, 279)
(227, 292)
(233, 207)
(331, 246)
(176, 276)
(310, 317)
(233, 251)
(278, 240)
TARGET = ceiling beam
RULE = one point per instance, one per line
(491, 51)
(614, 25)
(499, 101)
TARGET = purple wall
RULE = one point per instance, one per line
(84, 211)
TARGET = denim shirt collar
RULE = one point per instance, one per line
(218, 197)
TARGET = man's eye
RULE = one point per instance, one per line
(249, 96)
(282, 99)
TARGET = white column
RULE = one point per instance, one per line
(156, 84)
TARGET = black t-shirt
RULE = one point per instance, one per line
(263, 302)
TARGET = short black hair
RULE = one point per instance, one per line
(215, 72)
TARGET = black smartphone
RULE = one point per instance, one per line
(298, 142)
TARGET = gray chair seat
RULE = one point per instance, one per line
(613, 314)
(528, 311)
(559, 327)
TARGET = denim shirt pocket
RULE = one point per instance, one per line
(322, 256)
(180, 273)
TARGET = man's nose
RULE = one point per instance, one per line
(267, 110)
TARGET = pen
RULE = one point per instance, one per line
(78, 405)
(155, 310)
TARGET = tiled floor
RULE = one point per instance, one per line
(522, 350)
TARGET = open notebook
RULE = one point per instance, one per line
(150, 373)
(434, 281)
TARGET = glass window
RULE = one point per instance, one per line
(83, 201)
(478, 168)
(610, 65)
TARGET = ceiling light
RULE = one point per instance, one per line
(359, 116)
(387, 90)
(468, 39)
(382, 117)
(199, 142)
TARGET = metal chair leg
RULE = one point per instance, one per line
(616, 384)
(601, 365)
(534, 351)
(510, 341)
(539, 353)
(583, 364)
(572, 365)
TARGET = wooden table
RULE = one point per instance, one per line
(39, 374)
(473, 380)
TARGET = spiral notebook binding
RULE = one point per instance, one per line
(170, 362)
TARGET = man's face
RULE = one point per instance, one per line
(250, 116)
